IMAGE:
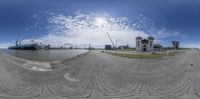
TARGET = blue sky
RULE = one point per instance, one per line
(167, 20)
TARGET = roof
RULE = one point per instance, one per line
(138, 37)
(145, 41)
(158, 46)
(151, 38)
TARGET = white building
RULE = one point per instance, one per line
(145, 45)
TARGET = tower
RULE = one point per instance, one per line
(138, 43)
(175, 44)
(151, 43)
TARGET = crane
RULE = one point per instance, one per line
(110, 39)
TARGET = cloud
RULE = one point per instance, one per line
(158, 31)
(90, 29)
(4, 45)
(191, 45)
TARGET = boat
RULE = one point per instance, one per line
(30, 46)
(26, 47)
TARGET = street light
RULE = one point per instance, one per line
(116, 44)
(128, 44)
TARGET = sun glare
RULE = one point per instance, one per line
(100, 21)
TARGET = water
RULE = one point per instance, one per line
(44, 55)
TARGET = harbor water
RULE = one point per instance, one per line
(44, 55)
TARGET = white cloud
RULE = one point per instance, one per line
(83, 29)
(191, 45)
(90, 28)
(159, 32)
(4, 45)
(34, 16)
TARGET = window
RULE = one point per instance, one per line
(151, 43)
(138, 43)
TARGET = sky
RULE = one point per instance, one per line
(83, 22)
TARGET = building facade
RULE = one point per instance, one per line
(158, 47)
(175, 44)
(108, 47)
(145, 45)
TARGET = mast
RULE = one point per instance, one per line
(18, 40)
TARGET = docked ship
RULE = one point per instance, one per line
(32, 46)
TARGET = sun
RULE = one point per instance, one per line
(100, 21)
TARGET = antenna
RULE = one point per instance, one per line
(19, 36)
(18, 42)
(110, 39)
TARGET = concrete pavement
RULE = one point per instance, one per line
(98, 75)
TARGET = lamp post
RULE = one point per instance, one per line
(116, 45)
(128, 45)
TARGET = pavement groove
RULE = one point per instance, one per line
(98, 75)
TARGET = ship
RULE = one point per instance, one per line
(25, 47)
(20, 46)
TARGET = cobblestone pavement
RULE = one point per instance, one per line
(98, 75)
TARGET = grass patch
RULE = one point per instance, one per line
(142, 56)
(125, 50)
